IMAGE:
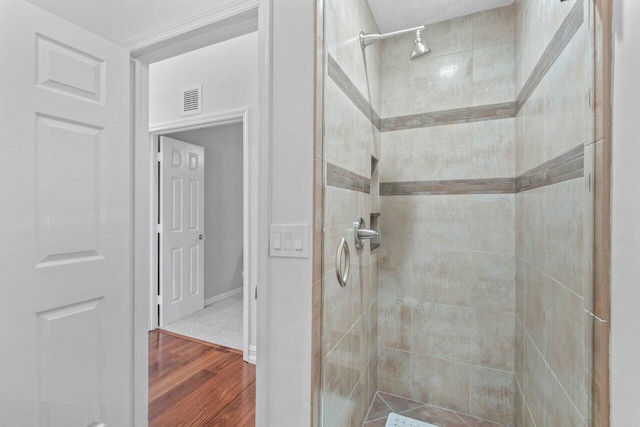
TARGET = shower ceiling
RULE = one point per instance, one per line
(396, 15)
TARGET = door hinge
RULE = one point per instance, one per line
(159, 157)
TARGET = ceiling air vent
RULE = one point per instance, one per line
(192, 100)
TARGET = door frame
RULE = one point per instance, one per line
(199, 31)
(206, 122)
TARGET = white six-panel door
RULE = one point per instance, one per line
(182, 219)
(65, 224)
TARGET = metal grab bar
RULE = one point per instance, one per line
(343, 268)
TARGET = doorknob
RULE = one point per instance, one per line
(202, 236)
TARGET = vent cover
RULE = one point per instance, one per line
(192, 100)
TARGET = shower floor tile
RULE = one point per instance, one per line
(383, 404)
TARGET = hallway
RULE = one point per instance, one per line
(197, 384)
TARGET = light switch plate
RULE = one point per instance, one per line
(289, 241)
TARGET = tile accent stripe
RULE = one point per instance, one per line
(448, 117)
(457, 186)
(343, 81)
(561, 39)
(569, 165)
(342, 178)
(566, 166)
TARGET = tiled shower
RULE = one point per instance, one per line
(474, 163)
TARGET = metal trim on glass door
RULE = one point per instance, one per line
(343, 262)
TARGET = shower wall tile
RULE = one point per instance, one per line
(560, 411)
(442, 331)
(493, 341)
(494, 27)
(520, 223)
(441, 382)
(452, 259)
(372, 372)
(359, 403)
(480, 280)
(347, 133)
(461, 151)
(520, 284)
(568, 100)
(535, 146)
(519, 44)
(566, 241)
(493, 74)
(394, 371)
(339, 27)
(534, 382)
(534, 33)
(565, 347)
(394, 323)
(451, 222)
(555, 13)
(350, 314)
(518, 407)
(492, 395)
(534, 310)
(336, 381)
(359, 351)
(520, 335)
(519, 138)
(534, 227)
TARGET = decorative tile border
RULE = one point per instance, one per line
(567, 166)
(343, 81)
(342, 178)
(455, 186)
(448, 117)
(561, 39)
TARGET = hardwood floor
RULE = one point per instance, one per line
(193, 383)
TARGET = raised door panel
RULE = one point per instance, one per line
(65, 237)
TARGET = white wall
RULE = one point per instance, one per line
(123, 20)
(625, 263)
(223, 215)
(228, 72)
(287, 376)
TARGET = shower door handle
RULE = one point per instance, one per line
(343, 262)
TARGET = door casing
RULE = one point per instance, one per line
(226, 118)
(175, 40)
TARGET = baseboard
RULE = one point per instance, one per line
(220, 297)
(252, 354)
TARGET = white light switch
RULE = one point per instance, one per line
(297, 241)
(277, 240)
(290, 240)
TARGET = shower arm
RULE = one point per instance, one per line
(369, 39)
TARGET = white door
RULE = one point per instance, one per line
(182, 219)
(65, 224)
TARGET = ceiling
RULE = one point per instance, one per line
(122, 20)
(393, 15)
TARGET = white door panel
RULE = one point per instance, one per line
(65, 223)
(182, 201)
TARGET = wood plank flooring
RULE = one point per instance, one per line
(192, 383)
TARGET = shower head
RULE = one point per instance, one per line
(419, 48)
